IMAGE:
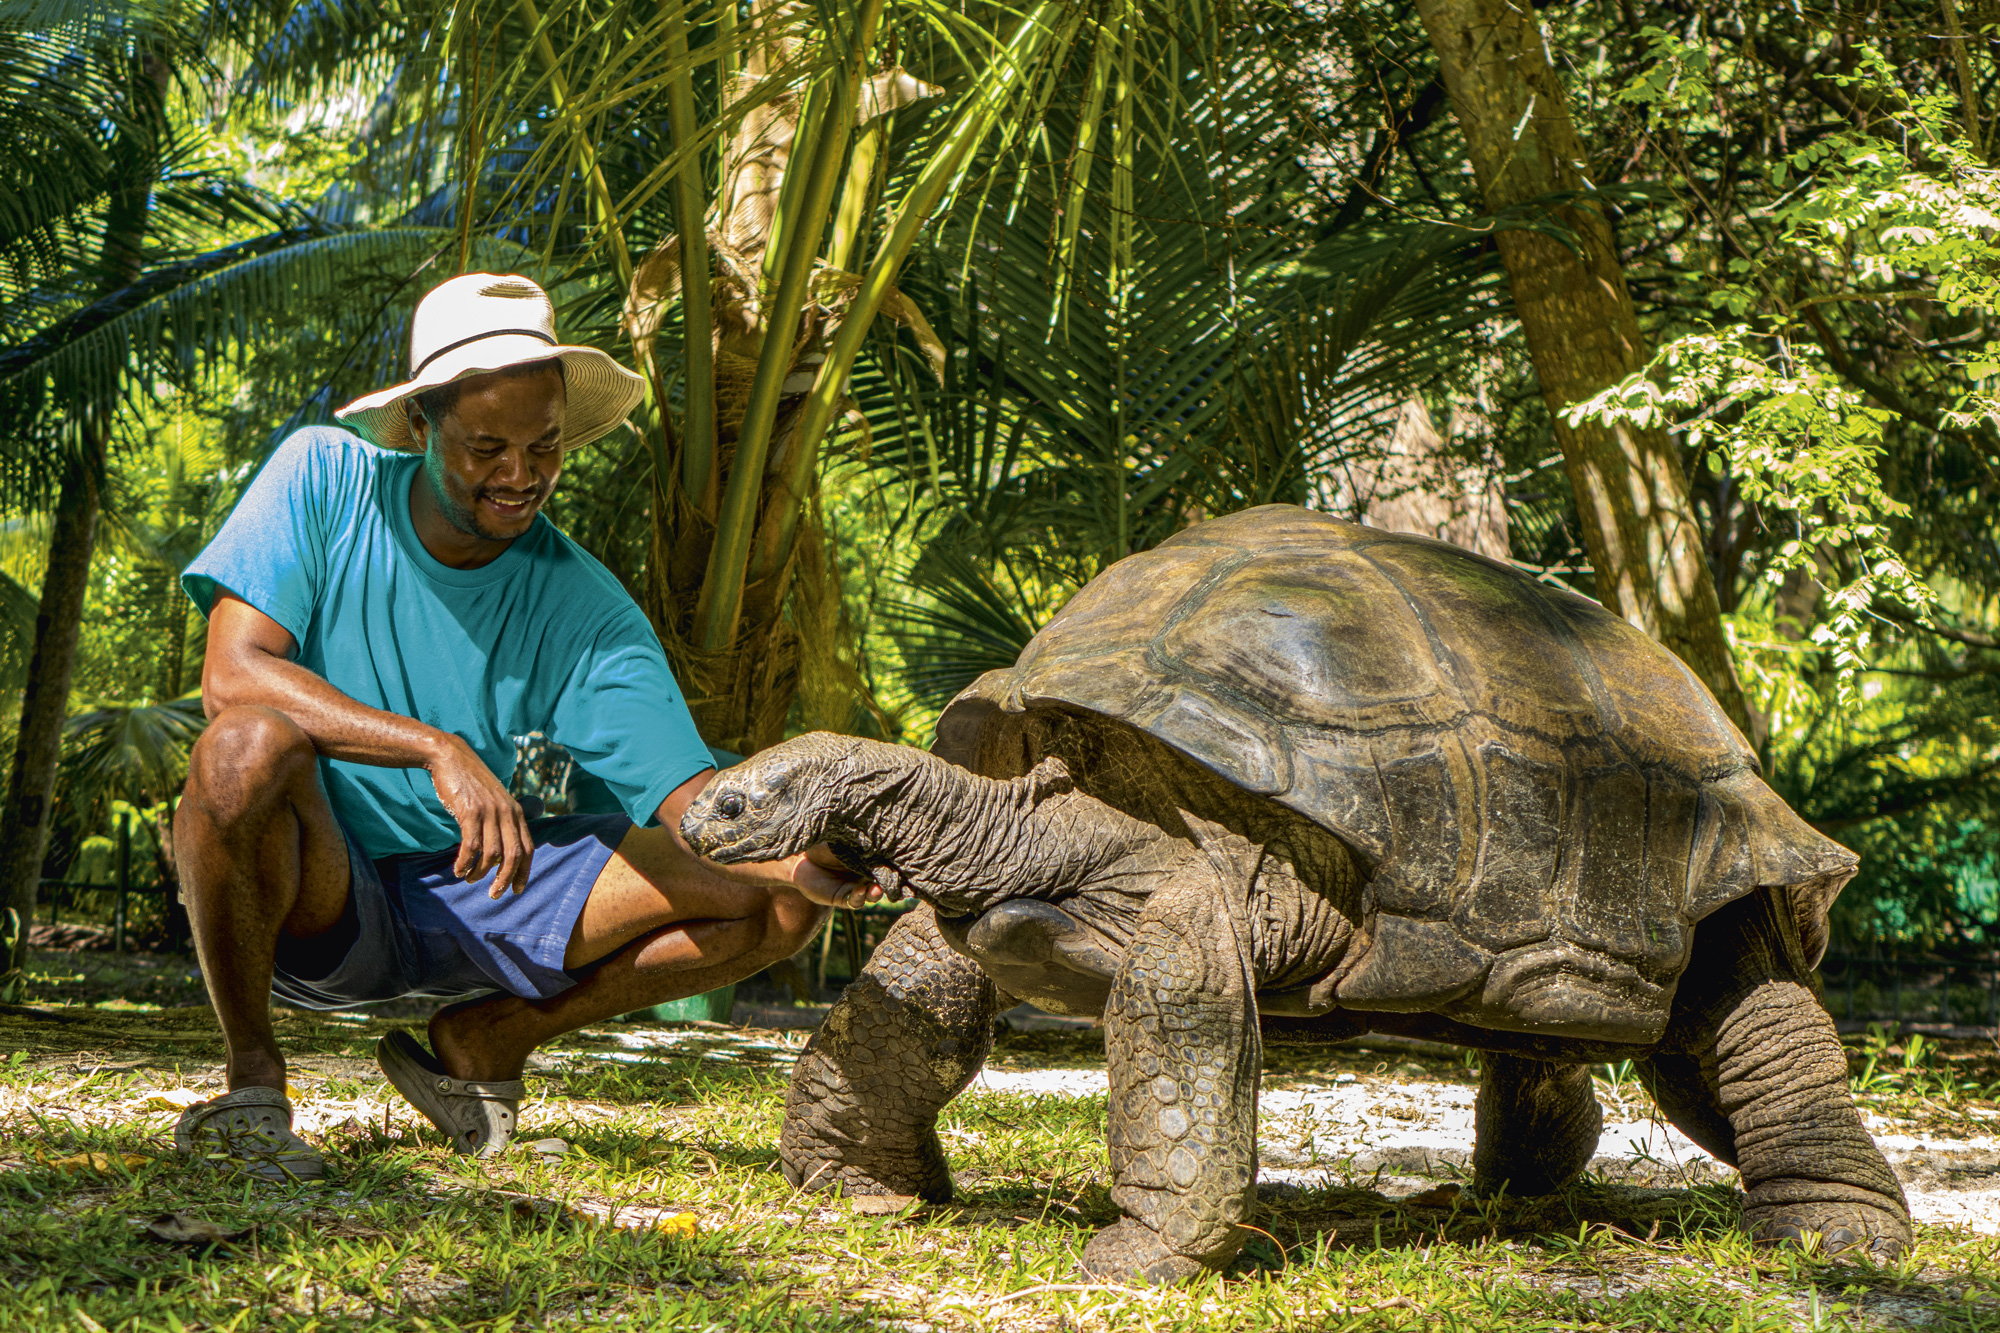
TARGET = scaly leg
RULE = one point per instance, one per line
(1772, 1068)
(1182, 1044)
(904, 1039)
(1687, 1098)
(1535, 1125)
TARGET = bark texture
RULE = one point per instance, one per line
(24, 824)
(1417, 487)
(1639, 525)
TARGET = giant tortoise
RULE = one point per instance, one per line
(1284, 775)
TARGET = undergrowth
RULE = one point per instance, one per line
(644, 1187)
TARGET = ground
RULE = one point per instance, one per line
(644, 1187)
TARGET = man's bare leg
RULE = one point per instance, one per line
(259, 855)
(665, 927)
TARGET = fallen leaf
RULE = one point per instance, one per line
(681, 1226)
(675, 1222)
(549, 1147)
(98, 1161)
(185, 1229)
(881, 1205)
(1374, 1307)
(173, 1099)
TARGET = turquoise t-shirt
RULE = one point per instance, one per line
(542, 639)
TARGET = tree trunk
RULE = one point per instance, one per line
(24, 823)
(1639, 525)
(1416, 486)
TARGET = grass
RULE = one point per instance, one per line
(662, 1204)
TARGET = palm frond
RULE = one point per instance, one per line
(963, 624)
(18, 608)
(298, 50)
(178, 317)
(134, 752)
(1098, 399)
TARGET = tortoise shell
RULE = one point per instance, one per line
(1543, 799)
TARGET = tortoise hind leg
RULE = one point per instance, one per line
(1687, 1098)
(904, 1039)
(1771, 1067)
(1535, 1125)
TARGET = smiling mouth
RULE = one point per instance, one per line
(509, 508)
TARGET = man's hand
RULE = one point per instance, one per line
(825, 879)
(818, 875)
(492, 828)
(250, 662)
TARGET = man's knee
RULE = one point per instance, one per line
(790, 921)
(247, 757)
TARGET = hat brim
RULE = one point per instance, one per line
(599, 392)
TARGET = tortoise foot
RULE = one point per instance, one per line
(913, 1169)
(1850, 1229)
(1128, 1251)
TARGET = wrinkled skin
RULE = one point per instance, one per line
(1194, 933)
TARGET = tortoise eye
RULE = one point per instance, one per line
(730, 806)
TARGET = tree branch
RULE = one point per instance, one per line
(1409, 122)
(1970, 638)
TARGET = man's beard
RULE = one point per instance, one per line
(465, 518)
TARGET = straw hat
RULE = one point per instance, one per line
(480, 322)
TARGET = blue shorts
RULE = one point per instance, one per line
(419, 930)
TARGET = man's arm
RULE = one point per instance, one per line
(816, 872)
(250, 662)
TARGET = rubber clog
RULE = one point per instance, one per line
(249, 1130)
(479, 1118)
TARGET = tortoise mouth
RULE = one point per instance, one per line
(727, 842)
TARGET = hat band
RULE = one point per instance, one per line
(478, 337)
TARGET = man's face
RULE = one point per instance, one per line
(494, 459)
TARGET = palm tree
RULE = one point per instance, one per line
(1154, 335)
(757, 179)
(123, 264)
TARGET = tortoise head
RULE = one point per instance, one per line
(783, 800)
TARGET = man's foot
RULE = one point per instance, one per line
(478, 1117)
(249, 1130)
(468, 1041)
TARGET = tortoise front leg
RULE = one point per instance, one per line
(904, 1039)
(1182, 1045)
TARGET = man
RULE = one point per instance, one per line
(387, 622)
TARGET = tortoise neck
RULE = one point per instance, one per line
(965, 843)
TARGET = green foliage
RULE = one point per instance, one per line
(1937, 876)
(1139, 337)
(1804, 446)
(1887, 207)
(1179, 261)
(1823, 277)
